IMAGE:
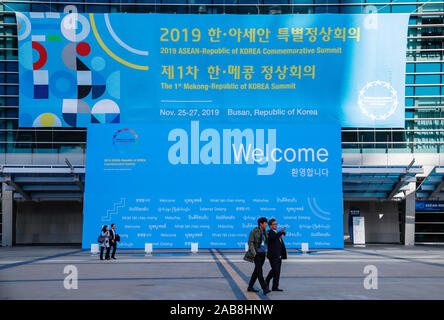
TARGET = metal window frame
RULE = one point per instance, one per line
(142, 4)
(390, 5)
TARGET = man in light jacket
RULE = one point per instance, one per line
(257, 251)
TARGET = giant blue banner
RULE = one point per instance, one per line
(77, 69)
(200, 182)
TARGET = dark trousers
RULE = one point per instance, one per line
(106, 254)
(275, 271)
(114, 246)
(259, 260)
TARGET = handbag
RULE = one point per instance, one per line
(117, 237)
(100, 239)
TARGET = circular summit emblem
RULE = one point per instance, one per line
(378, 100)
(125, 140)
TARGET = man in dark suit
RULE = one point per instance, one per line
(276, 252)
(113, 240)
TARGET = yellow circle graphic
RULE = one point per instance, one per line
(47, 119)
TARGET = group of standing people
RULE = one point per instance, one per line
(108, 239)
(262, 244)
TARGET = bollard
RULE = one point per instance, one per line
(94, 249)
(304, 247)
(148, 249)
(194, 247)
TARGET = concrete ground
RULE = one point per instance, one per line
(402, 273)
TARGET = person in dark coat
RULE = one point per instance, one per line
(113, 238)
(276, 252)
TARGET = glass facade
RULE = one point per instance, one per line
(429, 227)
(424, 127)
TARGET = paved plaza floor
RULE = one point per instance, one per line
(395, 272)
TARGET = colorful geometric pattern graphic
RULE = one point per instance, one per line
(66, 72)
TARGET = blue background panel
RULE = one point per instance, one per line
(134, 179)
